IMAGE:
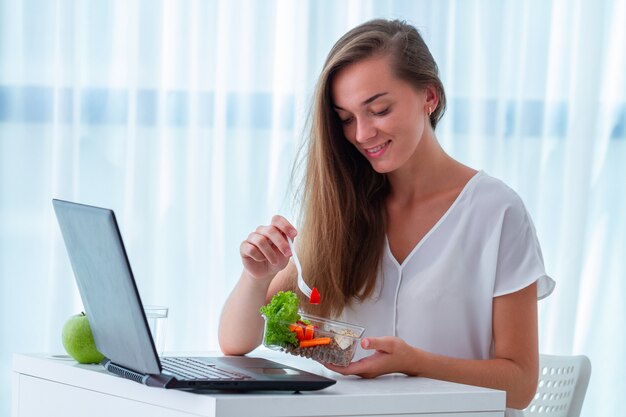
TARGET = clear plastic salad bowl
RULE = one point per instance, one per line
(317, 338)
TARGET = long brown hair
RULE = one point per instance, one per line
(342, 226)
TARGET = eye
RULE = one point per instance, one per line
(347, 120)
(382, 112)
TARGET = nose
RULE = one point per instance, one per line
(365, 130)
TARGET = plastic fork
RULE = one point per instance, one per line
(312, 294)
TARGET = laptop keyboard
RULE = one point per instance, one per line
(194, 369)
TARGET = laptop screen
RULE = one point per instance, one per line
(106, 285)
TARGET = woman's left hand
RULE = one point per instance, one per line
(392, 354)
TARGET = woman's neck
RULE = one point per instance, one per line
(427, 172)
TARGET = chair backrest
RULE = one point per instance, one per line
(562, 386)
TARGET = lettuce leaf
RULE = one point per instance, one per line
(279, 314)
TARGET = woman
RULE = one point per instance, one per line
(439, 262)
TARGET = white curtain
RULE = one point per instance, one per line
(185, 117)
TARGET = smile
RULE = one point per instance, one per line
(378, 150)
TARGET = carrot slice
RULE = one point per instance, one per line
(300, 333)
(297, 330)
(315, 342)
(308, 332)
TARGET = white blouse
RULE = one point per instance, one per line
(440, 298)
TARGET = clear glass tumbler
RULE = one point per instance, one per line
(157, 318)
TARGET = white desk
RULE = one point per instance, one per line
(45, 386)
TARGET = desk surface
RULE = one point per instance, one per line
(47, 380)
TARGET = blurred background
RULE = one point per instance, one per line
(185, 118)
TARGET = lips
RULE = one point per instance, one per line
(377, 151)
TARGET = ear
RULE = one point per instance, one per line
(432, 97)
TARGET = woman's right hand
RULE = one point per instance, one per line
(266, 251)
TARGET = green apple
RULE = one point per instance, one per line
(78, 340)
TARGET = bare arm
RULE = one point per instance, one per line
(513, 369)
(515, 366)
(265, 255)
(241, 324)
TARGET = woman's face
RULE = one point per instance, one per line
(381, 115)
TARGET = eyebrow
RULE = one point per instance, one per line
(368, 101)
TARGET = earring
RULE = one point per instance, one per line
(430, 111)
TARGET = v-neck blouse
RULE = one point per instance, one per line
(440, 298)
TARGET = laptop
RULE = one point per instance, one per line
(120, 328)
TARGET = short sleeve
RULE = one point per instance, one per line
(520, 261)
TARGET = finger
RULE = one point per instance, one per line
(383, 344)
(355, 368)
(276, 237)
(264, 245)
(284, 226)
(343, 370)
(248, 250)
(339, 369)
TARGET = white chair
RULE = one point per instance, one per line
(562, 386)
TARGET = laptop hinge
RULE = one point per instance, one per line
(163, 381)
